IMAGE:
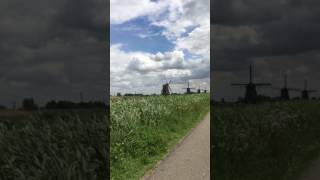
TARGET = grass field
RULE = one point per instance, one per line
(53, 145)
(271, 141)
(144, 128)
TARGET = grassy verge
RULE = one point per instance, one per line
(53, 145)
(266, 141)
(144, 128)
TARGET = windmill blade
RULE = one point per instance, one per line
(170, 89)
(263, 84)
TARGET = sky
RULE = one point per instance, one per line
(57, 49)
(276, 36)
(52, 50)
(156, 41)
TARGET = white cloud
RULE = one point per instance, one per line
(125, 10)
(131, 70)
(197, 41)
(183, 14)
(180, 14)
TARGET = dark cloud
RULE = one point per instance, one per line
(53, 49)
(283, 35)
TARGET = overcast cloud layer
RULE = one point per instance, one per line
(181, 27)
(52, 50)
(277, 36)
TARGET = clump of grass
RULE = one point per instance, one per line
(144, 128)
(265, 141)
(54, 145)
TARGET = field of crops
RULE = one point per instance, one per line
(144, 128)
(53, 145)
(266, 141)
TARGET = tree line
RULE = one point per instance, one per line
(29, 104)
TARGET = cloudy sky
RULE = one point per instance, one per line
(154, 41)
(52, 50)
(277, 36)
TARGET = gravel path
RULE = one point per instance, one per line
(314, 172)
(190, 160)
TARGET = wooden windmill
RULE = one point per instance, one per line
(251, 92)
(305, 92)
(199, 90)
(284, 91)
(166, 90)
(188, 89)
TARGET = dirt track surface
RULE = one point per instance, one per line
(314, 172)
(190, 160)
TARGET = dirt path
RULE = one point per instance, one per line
(314, 172)
(190, 160)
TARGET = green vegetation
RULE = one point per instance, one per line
(53, 145)
(144, 128)
(265, 141)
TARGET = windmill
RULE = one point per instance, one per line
(284, 91)
(166, 90)
(251, 92)
(188, 89)
(205, 90)
(199, 90)
(305, 92)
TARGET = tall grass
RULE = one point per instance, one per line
(54, 145)
(265, 141)
(144, 128)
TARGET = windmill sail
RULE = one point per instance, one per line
(251, 92)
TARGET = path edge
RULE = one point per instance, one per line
(150, 172)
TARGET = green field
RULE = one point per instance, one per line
(144, 128)
(53, 145)
(270, 141)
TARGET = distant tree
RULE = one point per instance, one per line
(51, 105)
(118, 94)
(223, 100)
(2, 107)
(72, 105)
(262, 98)
(66, 105)
(240, 99)
(29, 104)
(296, 98)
